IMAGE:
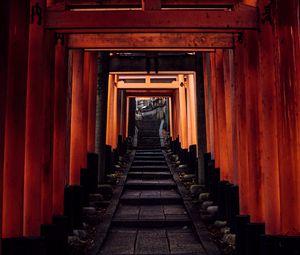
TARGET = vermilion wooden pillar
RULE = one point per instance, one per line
(92, 102)
(127, 116)
(208, 102)
(268, 128)
(77, 156)
(293, 7)
(4, 28)
(13, 176)
(48, 97)
(114, 117)
(182, 113)
(229, 110)
(85, 100)
(251, 90)
(286, 33)
(221, 116)
(171, 116)
(175, 115)
(192, 108)
(242, 148)
(35, 149)
(110, 107)
(216, 144)
(61, 145)
(188, 117)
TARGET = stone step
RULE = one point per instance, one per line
(149, 168)
(152, 201)
(151, 212)
(148, 162)
(151, 223)
(170, 240)
(138, 157)
(150, 175)
(142, 150)
(150, 184)
(149, 154)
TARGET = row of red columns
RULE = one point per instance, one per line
(252, 93)
(40, 104)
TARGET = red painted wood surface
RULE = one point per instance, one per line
(239, 18)
(221, 111)
(48, 102)
(267, 106)
(216, 141)
(35, 124)
(85, 99)
(77, 157)
(92, 97)
(229, 115)
(287, 85)
(4, 28)
(252, 126)
(242, 132)
(61, 145)
(15, 119)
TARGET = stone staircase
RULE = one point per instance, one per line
(148, 136)
(151, 217)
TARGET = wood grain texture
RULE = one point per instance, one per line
(139, 41)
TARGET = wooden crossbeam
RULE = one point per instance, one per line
(164, 64)
(137, 3)
(174, 20)
(151, 4)
(149, 92)
(158, 41)
(122, 85)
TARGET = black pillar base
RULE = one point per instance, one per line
(24, 246)
(73, 206)
(55, 241)
(240, 224)
(279, 245)
(253, 231)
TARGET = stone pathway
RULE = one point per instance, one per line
(151, 217)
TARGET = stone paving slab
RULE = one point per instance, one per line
(141, 157)
(148, 212)
(120, 241)
(150, 175)
(152, 162)
(153, 241)
(184, 242)
(149, 168)
(129, 193)
(172, 240)
(156, 182)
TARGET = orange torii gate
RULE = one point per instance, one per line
(251, 83)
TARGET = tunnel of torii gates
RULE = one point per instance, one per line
(241, 97)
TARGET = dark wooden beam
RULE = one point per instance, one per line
(138, 4)
(148, 41)
(240, 18)
(149, 93)
(143, 63)
(148, 5)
